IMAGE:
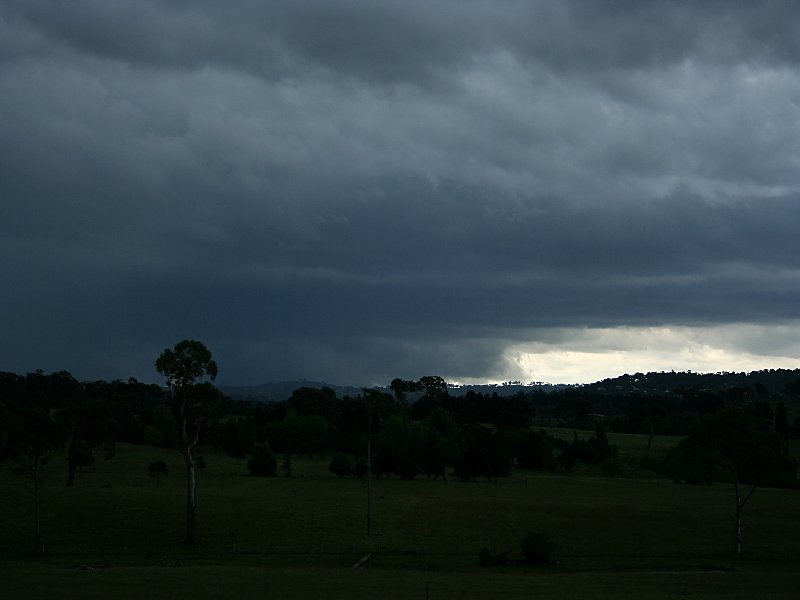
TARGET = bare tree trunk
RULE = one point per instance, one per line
(191, 504)
(369, 477)
(36, 476)
(738, 541)
(739, 507)
(738, 531)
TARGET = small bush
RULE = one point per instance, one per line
(340, 465)
(612, 467)
(152, 436)
(537, 547)
(649, 463)
(84, 457)
(262, 462)
(157, 469)
(360, 468)
(286, 466)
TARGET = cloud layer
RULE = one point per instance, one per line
(357, 191)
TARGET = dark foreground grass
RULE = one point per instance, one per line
(117, 534)
(267, 581)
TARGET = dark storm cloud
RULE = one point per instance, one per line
(361, 190)
(390, 41)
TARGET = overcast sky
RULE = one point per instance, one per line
(354, 191)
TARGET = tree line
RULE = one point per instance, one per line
(412, 428)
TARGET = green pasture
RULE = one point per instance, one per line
(117, 534)
(629, 444)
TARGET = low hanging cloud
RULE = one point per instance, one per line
(358, 191)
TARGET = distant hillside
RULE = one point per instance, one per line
(772, 379)
(282, 390)
(776, 380)
(502, 389)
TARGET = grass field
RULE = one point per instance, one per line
(298, 537)
(631, 443)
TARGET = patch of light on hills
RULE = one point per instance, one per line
(588, 355)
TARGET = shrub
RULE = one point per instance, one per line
(153, 436)
(486, 558)
(84, 457)
(360, 468)
(286, 466)
(340, 465)
(164, 421)
(536, 452)
(262, 461)
(157, 469)
(612, 467)
(537, 547)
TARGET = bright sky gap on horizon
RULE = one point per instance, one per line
(353, 192)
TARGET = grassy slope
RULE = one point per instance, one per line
(633, 444)
(298, 537)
